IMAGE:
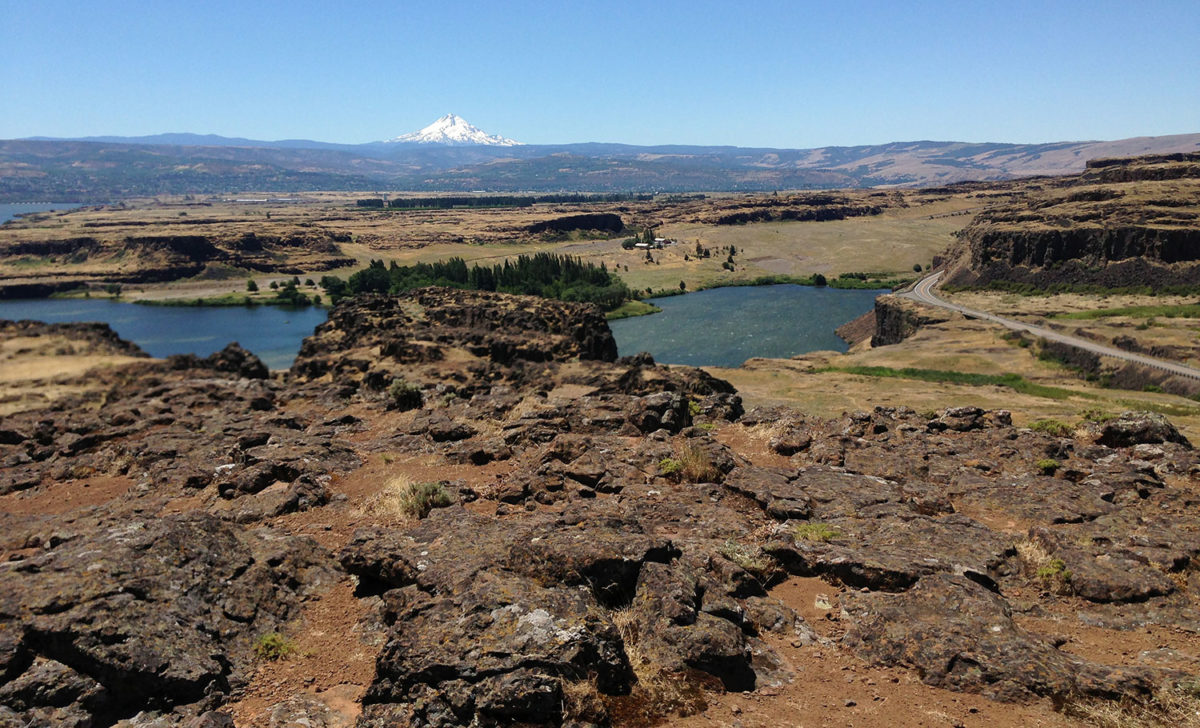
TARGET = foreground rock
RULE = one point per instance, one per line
(605, 542)
(122, 616)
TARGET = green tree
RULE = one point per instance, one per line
(251, 286)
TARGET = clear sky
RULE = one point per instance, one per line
(781, 74)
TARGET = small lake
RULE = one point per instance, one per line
(9, 210)
(273, 333)
(724, 327)
(718, 327)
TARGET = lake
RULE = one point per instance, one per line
(9, 210)
(273, 333)
(717, 327)
(726, 326)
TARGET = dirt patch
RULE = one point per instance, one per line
(333, 661)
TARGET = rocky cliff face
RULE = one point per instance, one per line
(1131, 222)
(607, 544)
(76, 261)
(897, 318)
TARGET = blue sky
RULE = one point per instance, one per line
(781, 74)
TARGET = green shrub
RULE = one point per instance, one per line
(669, 466)
(1054, 573)
(815, 531)
(273, 646)
(1096, 415)
(1051, 427)
(1048, 466)
(404, 396)
(418, 499)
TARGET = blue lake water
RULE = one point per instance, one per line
(9, 210)
(273, 333)
(717, 327)
(726, 326)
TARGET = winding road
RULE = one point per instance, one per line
(922, 292)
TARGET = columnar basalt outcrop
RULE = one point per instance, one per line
(604, 547)
(1122, 223)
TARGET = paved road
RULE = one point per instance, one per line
(923, 292)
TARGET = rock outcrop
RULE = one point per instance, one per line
(1122, 223)
(896, 319)
(594, 529)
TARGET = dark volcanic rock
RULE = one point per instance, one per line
(1136, 428)
(232, 359)
(136, 615)
(980, 649)
(893, 553)
(496, 329)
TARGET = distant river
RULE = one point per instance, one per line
(273, 333)
(9, 210)
(717, 327)
(724, 327)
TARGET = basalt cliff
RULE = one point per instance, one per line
(602, 541)
(1122, 223)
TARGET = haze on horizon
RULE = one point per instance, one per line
(777, 74)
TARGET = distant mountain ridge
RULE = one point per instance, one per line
(106, 168)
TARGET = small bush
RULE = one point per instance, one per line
(273, 646)
(815, 531)
(403, 498)
(669, 466)
(251, 286)
(418, 499)
(1051, 571)
(1051, 427)
(1048, 466)
(1096, 415)
(404, 396)
(696, 465)
(750, 558)
(1054, 573)
(693, 408)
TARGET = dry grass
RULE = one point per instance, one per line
(403, 498)
(1175, 707)
(696, 465)
(658, 692)
(582, 701)
(1048, 570)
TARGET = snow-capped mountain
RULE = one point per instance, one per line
(454, 130)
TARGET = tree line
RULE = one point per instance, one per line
(544, 274)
